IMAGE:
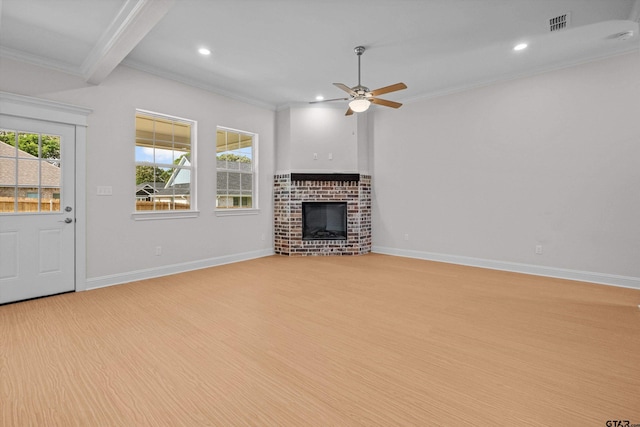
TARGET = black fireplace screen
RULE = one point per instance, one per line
(324, 221)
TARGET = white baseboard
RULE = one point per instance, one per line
(537, 270)
(165, 270)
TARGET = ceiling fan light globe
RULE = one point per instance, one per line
(359, 105)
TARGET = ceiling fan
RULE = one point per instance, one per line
(361, 97)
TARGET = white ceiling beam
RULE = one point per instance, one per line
(132, 23)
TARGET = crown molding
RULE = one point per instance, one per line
(507, 78)
(195, 83)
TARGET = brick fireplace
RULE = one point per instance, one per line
(292, 189)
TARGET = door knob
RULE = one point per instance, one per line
(67, 221)
(68, 209)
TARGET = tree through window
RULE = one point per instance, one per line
(164, 163)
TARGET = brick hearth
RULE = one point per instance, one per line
(290, 190)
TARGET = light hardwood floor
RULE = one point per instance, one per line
(325, 341)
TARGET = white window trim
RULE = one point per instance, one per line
(254, 175)
(175, 214)
(236, 212)
(150, 215)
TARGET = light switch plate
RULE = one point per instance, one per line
(105, 190)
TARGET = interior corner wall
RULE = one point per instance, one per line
(283, 141)
(120, 248)
(322, 140)
(486, 175)
(364, 153)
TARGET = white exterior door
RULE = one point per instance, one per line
(37, 208)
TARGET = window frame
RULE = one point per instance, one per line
(192, 212)
(38, 188)
(255, 207)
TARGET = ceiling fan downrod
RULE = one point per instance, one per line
(359, 51)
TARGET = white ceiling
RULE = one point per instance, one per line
(281, 52)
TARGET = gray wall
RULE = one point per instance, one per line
(483, 176)
(480, 177)
(324, 131)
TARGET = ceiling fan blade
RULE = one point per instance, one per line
(349, 112)
(345, 88)
(387, 89)
(385, 102)
(328, 100)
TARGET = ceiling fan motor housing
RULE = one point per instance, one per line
(362, 91)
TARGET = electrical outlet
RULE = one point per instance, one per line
(315, 156)
(330, 156)
(539, 249)
(158, 250)
(263, 237)
(406, 237)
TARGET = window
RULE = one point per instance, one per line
(165, 163)
(30, 172)
(236, 169)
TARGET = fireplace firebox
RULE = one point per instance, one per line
(324, 221)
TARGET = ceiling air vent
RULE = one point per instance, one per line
(560, 22)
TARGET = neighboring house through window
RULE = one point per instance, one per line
(29, 172)
(236, 169)
(165, 162)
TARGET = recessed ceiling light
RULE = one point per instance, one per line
(520, 46)
(319, 98)
(204, 51)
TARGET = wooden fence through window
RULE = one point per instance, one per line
(7, 204)
(160, 206)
